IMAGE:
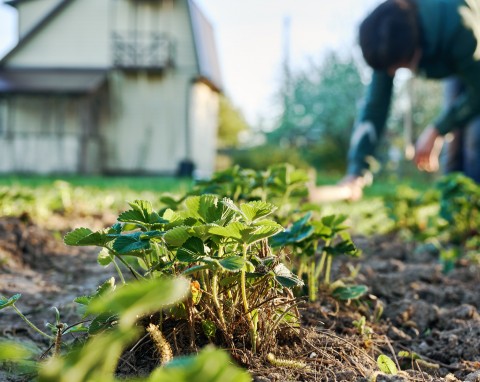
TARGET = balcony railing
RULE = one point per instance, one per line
(141, 50)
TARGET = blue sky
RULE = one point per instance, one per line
(250, 39)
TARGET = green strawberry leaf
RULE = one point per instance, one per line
(6, 302)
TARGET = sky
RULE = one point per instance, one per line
(251, 40)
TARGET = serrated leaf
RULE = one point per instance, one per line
(102, 322)
(115, 229)
(349, 292)
(82, 300)
(232, 263)
(263, 230)
(143, 206)
(344, 247)
(297, 232)
(202, 231)
(230, 205)
(86, 237)
(285, 277)
(134, 241)
(127, 244)
(6, 302)
(256, 210)
(105, 287)
(177, 236)
(244, 234)
(232, 231)
(192, 250)
(209, 209)
(334, 222)
(386, 365)
(192, 205)
(132, 216)
(289, 282)
(73, 237)
(141, 213)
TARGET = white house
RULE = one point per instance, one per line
(109, 86)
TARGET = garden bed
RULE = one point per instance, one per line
(411, 306)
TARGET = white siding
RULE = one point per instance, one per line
(39, 154)
(147, 129)
(44, 135)
(204, 125)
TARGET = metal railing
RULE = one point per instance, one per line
(142, 50)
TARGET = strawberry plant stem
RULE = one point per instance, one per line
(134, 272)
(31, 324)
(216, 301)
(328, 269)
(119, 271)
(312, 287)
(253, 332)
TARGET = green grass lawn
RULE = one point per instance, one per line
(39, 196)
(143, 183)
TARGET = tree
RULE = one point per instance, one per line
(231, 124)
(320, 107)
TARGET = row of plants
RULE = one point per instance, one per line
(446, 218)
(225, 264)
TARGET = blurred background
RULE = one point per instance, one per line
(188, 87)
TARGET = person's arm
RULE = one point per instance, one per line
(466, 106)
(371, 123)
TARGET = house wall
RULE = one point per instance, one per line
(148, 123)
(150, 111)
(204, 123)
(39, 135)
(32, 12)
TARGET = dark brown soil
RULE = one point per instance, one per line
(411, 306)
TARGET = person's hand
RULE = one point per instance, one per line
(355, 184)
(427, 150)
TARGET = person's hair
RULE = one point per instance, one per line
(390, 34)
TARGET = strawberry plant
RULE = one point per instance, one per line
(446, 216)
(459, 207)
(314, 245)
(412, 212)
(236, 280)
(281, 185)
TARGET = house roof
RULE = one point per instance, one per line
(205, 47)
(56, 81)
(203, 34)
(43, 21)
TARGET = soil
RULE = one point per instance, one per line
(411, 306)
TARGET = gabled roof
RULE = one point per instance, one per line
(205, 47)
(50, 15)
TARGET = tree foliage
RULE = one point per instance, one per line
(320, 105)
(231, 124)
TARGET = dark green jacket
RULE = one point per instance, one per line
(450, 32)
